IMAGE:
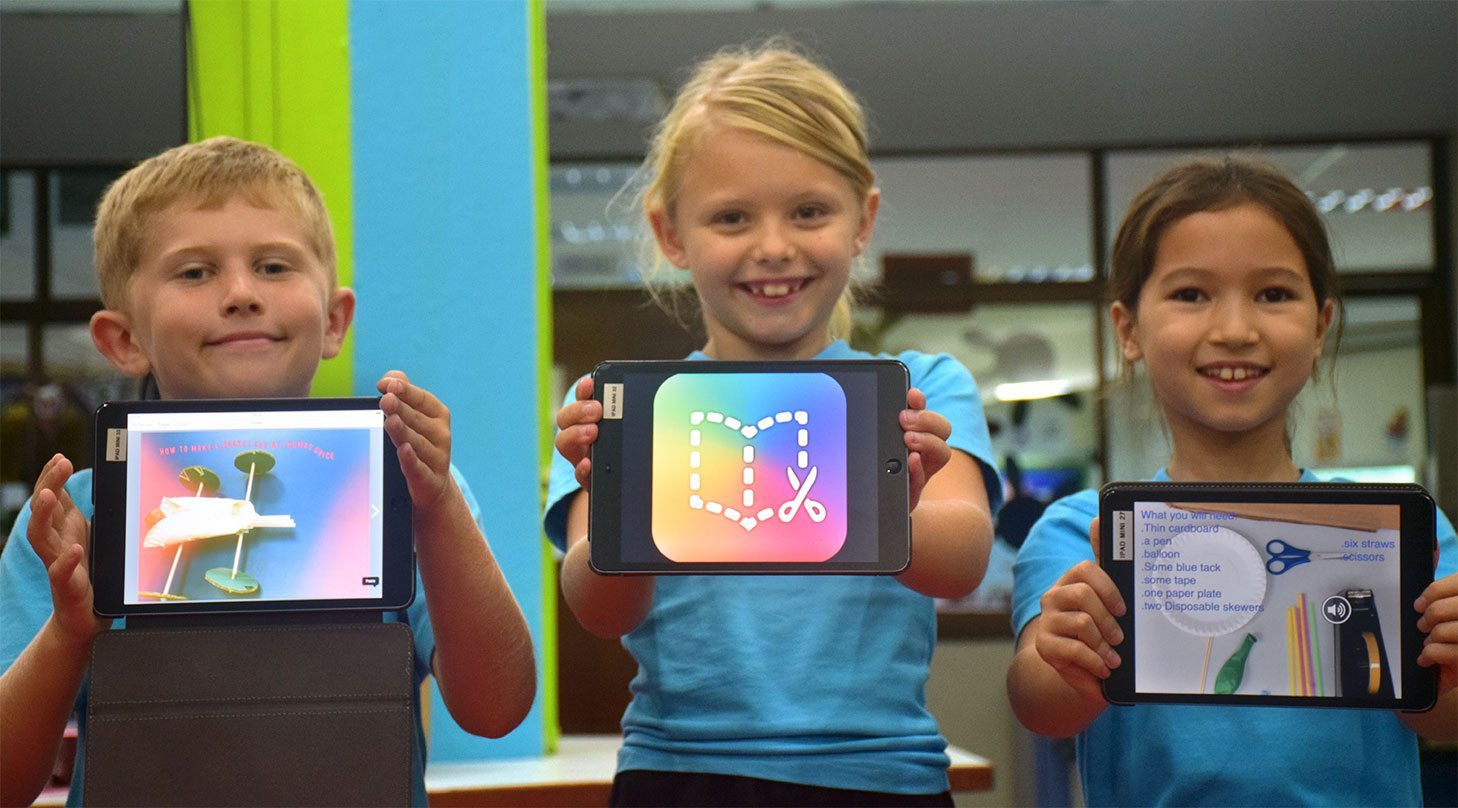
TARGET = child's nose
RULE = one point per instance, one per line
(774, 248)
(240, 294)
(1234, 324)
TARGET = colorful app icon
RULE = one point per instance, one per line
(749, 467)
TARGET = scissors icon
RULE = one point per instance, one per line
(1285, 556)
(802, 492)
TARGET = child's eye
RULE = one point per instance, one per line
(1276, 294)
(1187, 295)
(273, 268)
(193, 273)
(810, 212)
(729, 218)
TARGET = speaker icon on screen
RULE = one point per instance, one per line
(1336, 609)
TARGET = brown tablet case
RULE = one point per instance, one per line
(214, 713)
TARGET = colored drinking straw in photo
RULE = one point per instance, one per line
(1205, 666)
(1315, 646)
(1291, 648)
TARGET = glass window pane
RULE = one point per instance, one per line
(1367, 416)
(15, 485)
(1376, 197)
(17, 235)
(72, 359)
(596, 231)
(1035, 368)
(1023, 218)
(74, 194)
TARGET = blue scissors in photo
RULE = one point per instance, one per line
(1285, 556)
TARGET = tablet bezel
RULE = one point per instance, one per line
(109, 529)
(894, 522)
(1418, 546)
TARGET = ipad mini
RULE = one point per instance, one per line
(1296, 594)
(248, 505)
(750, 467)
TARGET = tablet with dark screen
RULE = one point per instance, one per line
(750, 467)
(1296, 595)
(248, 505)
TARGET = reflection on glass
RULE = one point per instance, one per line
(1368, 411)
(1376, 197)
(1046, 445)
(74, 195)
(1023, 218)
(17, 235)
(596, 228)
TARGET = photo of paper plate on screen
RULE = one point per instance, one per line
(274, 514)
(1266, 599)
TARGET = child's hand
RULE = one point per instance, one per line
(1078, 631)
(577, 423)
(926, 441)
(58, 533)
(1439, 606)
(420, 426)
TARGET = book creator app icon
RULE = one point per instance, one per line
(749, 467)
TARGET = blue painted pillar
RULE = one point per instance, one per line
(448, 213)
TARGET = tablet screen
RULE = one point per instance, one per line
(766, 471)
(1265, 599)
(260, 506)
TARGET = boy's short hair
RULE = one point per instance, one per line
(209, 172)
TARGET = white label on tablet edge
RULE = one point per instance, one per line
(612, 401)
(1123, 540)
(116, 445)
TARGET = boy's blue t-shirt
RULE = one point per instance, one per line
(817, 680)
(1196, 754)
(25, 605)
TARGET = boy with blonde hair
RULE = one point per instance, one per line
(217, 271)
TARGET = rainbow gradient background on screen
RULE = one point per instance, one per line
(725, 446)
(321, 479)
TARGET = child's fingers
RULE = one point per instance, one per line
(583, 471)
(928, 421)
(1099, 581)
(1439, 612)
(435, 457)
(53, 475)
(61, 572)
(573, 442)
(420, 399)
(1439, 653)
(436, 428)
(1062, 652)
(584, 388)
(1444, 587)
(1086, 588)
(915, 399)
(579, 412)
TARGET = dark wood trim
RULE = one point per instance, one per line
(974, 626)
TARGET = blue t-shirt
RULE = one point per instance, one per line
(25, 605)
(1194, 754)
(817, 680)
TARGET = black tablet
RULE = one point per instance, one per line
(750, 467)
(1296, 594)
(248, 505)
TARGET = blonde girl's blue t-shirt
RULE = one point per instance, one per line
(816, 680)
(1196, 754)
(25, 605)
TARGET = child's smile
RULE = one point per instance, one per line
(769, 234)
(1227, 323)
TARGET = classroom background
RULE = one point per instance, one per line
(471, 154)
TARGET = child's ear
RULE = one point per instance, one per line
(340, 313)
(112, 332)
(667, 236)
(1126, 330)
(868, 219)
(1323, 324)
